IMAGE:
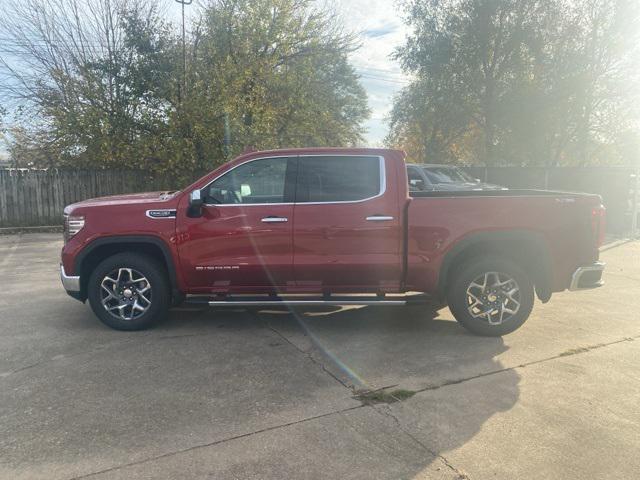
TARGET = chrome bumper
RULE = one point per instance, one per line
(70, 284)
(588, 277)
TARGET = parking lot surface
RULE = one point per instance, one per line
(235, 394)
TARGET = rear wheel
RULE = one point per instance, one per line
(492, 296)
(129, 292)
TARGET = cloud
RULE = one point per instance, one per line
(380, 30)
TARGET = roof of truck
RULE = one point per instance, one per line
(324, 150)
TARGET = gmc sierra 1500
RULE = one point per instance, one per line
(333, 227)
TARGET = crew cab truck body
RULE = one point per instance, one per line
(323, 223)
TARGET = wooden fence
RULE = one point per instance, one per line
(38, 197)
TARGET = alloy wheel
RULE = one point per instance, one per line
(125, 294)
(494, 297)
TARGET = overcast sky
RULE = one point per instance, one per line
(380, 28)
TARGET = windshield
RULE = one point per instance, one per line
(446, 175)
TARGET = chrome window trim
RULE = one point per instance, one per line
(383, 181)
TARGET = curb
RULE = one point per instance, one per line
(616, 243)
(21, 230)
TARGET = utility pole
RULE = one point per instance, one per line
(184, 48)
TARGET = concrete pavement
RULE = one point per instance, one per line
(233, 394)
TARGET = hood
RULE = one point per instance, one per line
(128, 199)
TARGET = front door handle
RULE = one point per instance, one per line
(379, 218)
(273, 219)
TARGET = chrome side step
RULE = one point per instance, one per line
(307, 301)
(301, 303)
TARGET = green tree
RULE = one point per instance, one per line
(83, 68)
(105, 80)
(279, 69)
(518, 82)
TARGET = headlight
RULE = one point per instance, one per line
(72, 225)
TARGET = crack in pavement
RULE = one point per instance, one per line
(355, 382)
(56, 358)
(116, 344)
(214, 443)
(565, 354)
(386, 411)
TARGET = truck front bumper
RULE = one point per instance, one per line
(587, 277)
(70, 283)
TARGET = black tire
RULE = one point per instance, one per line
(159, 293)
(460, 302)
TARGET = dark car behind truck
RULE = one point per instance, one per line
(329, 226)
(431, 177)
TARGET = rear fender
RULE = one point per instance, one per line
(529, 249)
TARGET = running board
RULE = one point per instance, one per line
(307, 301)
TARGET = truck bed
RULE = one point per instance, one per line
(440, 221)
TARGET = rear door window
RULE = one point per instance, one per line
(325, 179)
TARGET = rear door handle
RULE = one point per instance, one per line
(379, 218)
(273, 219)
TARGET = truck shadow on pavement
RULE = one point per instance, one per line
(457, 379)
(415, 348)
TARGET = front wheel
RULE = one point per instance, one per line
(491, 296)
(129, 292)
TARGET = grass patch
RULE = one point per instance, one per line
(575, 351)
(383, 396)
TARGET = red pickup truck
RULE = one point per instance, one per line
(329, 227)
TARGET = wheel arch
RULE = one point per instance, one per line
(527, 248)
(105, 247)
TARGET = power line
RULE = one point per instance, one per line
(373, 69)
(385, 79)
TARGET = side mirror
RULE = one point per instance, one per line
(195, 204)
(478, 180)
